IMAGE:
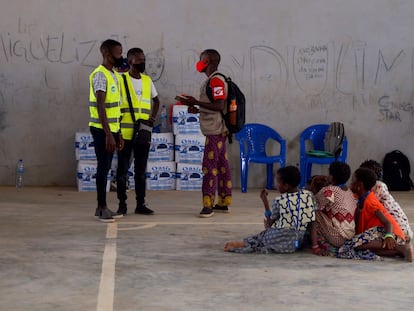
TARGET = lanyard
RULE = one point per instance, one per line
(295, 219)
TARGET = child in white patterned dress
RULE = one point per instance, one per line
(381, 192)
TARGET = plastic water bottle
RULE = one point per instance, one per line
(19, 174)
(233, 112)
(164, 119)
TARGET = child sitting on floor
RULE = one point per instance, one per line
(381, 191)
(316, 183)
(377, 233)
(286, 223)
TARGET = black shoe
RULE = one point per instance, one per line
(98, 213)
(122, 209)
(104, 215)
(143, 209)
(221, 208)
(206, 212)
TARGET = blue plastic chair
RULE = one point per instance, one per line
(252, 139)
(316, 134)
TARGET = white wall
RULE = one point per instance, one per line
(299, 63)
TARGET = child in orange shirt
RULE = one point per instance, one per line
(377, 233)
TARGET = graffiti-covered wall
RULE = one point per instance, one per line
(298, 62)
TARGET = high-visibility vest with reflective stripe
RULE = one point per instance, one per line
(141, 107)
(112, 101)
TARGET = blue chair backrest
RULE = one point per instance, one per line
(316, 134)
(255, 136)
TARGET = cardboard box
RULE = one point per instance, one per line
(189, 148)
(189, 177)
(184, 122)
(84, 147)
(160, 175)
(86, 176)
(162, 147)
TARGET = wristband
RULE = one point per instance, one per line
(268, 213)
(388, 235)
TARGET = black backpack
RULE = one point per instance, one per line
(233, 93)
(396, 171)
(334, 138)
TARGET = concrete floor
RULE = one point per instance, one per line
(56, 256)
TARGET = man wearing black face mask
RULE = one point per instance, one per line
(137, 90)
(105, 112)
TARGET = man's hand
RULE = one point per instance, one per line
(149, 122)
(192, 109)
(121, 143)
(110, 143)
(189, 101)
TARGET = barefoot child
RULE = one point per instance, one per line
(377, 233)
(286, 223)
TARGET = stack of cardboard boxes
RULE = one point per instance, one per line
(87, 164)
(189, 148)
(161, 167)
(185, 144)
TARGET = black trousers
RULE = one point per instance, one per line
(141, 152)
(104, 162)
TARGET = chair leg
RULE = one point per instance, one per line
(269, 174)
(243, 174)
(303, 173)
(308, 172)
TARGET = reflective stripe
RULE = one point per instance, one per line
(136, 110)
(127, 125)
(110, 120)
(123, 110)
(141, 106)
(107, 105)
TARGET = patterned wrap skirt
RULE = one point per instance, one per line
(272, 240)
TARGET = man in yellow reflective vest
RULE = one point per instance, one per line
(137, 90)
(104, 114)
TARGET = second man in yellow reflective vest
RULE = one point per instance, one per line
(141, 90)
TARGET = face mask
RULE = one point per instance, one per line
(139, 67)
(118, 61)
(201, 65)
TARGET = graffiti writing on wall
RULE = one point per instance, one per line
(316, 73)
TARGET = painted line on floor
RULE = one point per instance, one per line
(138, 225)
(107, 283)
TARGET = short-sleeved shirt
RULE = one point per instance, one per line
(137, 83)
(368, 219)
(211, 121)
(337, 203)
(287, 207)
(99, 81)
